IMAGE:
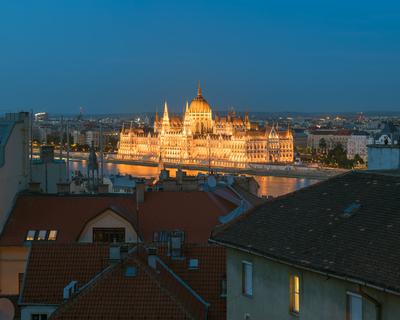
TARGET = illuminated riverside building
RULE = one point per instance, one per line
(197, 138)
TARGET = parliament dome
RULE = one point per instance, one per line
(199, 104)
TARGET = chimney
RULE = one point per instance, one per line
(34, 186)
(152, 257)
(117, 252)
(114, 253)
(63, 187)
(140, 191)
(70, 289)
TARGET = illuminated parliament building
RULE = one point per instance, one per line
(198, 138)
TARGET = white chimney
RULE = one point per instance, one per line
(152, 257)
(70, 289)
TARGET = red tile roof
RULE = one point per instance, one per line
(52, 266)
(67, 214)
(207, 279)
(148, 295)
(195, 212)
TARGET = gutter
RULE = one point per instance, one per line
(327, 274)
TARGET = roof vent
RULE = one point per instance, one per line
(351, 209)
(70, 289)
(193, 264)
(130, 271)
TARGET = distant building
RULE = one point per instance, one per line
(92, 137)
(357, 144)
(79, 137)
(389, 134)
(14, 160)
(41, 116)
(332, 138)
(330, 251)
(198, 138)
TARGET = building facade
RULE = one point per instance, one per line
(199, 138)
(357, 144)
(324, 252)
(331, 138)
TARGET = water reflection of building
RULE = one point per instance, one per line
(198, 138)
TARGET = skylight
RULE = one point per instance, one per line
(42, 235)
(193, 263)
(351, 209)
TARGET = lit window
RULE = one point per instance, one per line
(52, 235)
(247, 278)
(30, 235)
(42, 235)
(294, 294)
(354, 307)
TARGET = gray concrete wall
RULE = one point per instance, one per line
(14, 173)
(320, 297)
(383, 157)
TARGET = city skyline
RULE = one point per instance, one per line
(132, 56)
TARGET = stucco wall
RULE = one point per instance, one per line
(14, 173)
(12, 261)
(108, 219)
(383, 158)
(320, 297)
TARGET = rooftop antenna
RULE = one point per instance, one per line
(68, 142)
(101, 153)
(31, 146)
(61, 135)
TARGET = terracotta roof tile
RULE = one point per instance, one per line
(156, 295)
(195, 212)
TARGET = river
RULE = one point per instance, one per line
(269, 185)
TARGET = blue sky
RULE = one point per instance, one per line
(128, 56)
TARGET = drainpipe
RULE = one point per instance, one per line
(378, 306)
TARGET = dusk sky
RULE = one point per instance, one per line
(129, 56)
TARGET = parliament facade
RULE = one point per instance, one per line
(198, 138)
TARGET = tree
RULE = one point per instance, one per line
(322, 144)
(358, 160)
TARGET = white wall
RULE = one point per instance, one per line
(108, 219)
(14, 173)
(27, 311)
(320, 297)
(383, 157)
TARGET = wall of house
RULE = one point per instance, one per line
(12, 262)
(27, 311)
(14, 172)
(383, 157)
(320, 297)
(108, 219)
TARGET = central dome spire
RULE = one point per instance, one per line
(199, 90)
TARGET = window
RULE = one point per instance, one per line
(354, 307)
(223, 287)
(294, 294)
(38, 316)
(108, 235)
(20, 281)
(30, 236)
(247, 278)
(42, 235)
(52, 236)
